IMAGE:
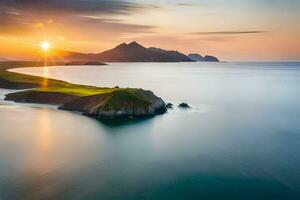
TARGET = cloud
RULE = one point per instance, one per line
(70, 6)
(17, 16)
(187, 4)
(230, 32)
(217, 38)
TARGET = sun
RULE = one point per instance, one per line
(45, 45)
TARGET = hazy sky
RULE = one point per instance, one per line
(230, 29)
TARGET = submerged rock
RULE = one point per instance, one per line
(123, 103)
(169, 105)
(184, 105)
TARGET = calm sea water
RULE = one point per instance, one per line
(241, 140)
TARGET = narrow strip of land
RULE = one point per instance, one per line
(99, 102)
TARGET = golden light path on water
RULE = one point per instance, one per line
(45, 75)
(45, 143)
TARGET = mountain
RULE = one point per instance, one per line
(176, 55)
(196, 57)
(211, 59)
(199, 58)
(132, 52)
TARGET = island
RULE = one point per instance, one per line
(98, 102)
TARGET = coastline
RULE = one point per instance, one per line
(97, 102)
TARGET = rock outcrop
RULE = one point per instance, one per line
(184, 105)
(169, 106)
(123, 103)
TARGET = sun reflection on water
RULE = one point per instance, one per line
(45, 75)
(44, 143)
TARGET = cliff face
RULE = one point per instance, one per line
(119, 104)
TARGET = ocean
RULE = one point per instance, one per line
(240, 140)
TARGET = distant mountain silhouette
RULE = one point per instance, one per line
(199, 58)
(3, 59)
(132, 52)
(209, 58)
(196, 57)
(176, 55)
(75, 56)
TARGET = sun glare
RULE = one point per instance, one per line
(45, 45)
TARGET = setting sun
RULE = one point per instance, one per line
(45, 45)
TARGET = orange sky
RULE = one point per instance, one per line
(235, 30)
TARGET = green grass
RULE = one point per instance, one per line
(78, 90)
(22, 78)
(45, 84)
(117, 98)
(13, 77)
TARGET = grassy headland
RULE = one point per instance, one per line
(98, 102)
(12, 80)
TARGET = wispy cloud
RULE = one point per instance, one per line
(19, 16)
(187, 4)
(231, 32)
(70, 6)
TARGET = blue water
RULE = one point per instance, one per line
(241, 140)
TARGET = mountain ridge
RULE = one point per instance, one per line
(131, 52)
